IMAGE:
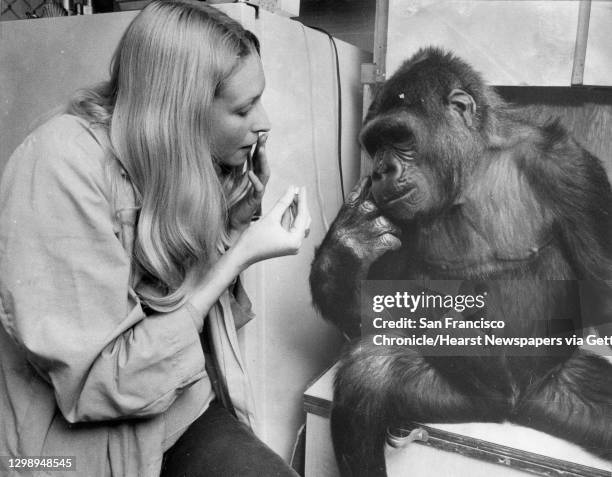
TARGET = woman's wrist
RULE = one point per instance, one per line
(238, 254)
(236, 258)
(218, 278)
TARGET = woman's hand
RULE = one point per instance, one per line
(242, 213)
(278, 233)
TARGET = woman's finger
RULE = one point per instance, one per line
(307, 231)
(283, 203)
(261, 167)
(302, 219)
(258, 187)
(286, 219)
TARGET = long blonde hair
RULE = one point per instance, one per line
(169, 65)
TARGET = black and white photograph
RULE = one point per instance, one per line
(315, 238)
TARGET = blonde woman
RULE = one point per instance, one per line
(124, 225)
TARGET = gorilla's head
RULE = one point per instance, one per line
(423, 131)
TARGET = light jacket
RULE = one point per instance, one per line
(84, 373)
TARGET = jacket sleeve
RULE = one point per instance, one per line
(64, 291)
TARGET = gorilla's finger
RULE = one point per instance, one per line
(368, 207)
(359, 192)
(390, 242)
(381, 223)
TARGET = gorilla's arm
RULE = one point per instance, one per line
(357, 238)
(334, 283)
(573, 184)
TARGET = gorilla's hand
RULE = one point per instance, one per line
(361, 230)
(357, 238)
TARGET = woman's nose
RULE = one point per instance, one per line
(261, 122)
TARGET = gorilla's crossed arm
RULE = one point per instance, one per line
(465, 186)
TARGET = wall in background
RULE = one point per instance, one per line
(45, 60)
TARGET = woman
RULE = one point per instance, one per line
(124, 225)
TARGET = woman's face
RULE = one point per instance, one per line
(237, 113)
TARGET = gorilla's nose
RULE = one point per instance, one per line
(388, 168)
(385, 179)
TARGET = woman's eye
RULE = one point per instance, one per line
(243, 112)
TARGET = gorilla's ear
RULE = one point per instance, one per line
(463, 103)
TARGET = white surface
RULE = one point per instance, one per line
(598, 63)
(511, 42)
(320, 460)
(417, 459)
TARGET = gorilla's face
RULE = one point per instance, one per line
(422, 140)
(403, 184)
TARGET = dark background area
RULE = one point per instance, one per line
(349, 20)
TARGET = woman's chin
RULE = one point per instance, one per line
(237, 159)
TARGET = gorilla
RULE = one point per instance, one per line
(468, 187)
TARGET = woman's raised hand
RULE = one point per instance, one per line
(242, 213)
(280, 232)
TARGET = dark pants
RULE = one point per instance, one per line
(217, 444)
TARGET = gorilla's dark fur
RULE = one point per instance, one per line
(467, 187)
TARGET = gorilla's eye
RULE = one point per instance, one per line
(405, 151)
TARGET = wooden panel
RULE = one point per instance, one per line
(513, 43)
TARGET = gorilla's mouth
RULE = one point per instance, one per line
(390, 183)
(405, 197)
